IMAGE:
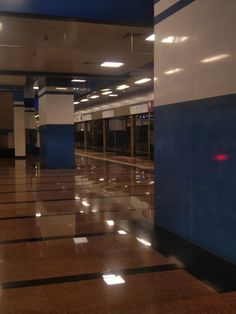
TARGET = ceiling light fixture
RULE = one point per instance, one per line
(110, 64)
(122, 87)
(61, 88)
(106, 93)
(36, 87)
(215, 58)
(76, 102)
(84, 100)
(94, 96)
(142, 81)
(151, 37)
(113, 95)
(78, 81)
(105, 90)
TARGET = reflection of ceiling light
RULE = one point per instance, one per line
(37, 116)
(38, 215)
(80, 240)
(106, 93)
(61, 88)
(112, 64)
(84, 100)
(35, 87)
(77, 197)
(85, 203)
(173, 71)
(101, 179)
(110, 222)
(113, 279)
(215, 58)
(174, 40)
(11, 46)
(81, 212)
(113, 95)
(1, 26)
(144, 241)
(78, 81)
(76, 102)
(142, 81)
(151, 37)
(122, 232)
(94, 210)
(121, 87)
(94, 96)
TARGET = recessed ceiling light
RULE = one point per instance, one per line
(78, 81)
(113, 95)
(142, 81)
(61, 88)
(106, 93)
(105, 90)
(76, 102)
(35, 87)
(84, 100)
(112, 64)
(38, 215)
(215, 58)
(94, 96)
(121, 87)
(113, 279)
(173, 71)
(151, 37)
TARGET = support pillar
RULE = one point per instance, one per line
(57, 138)
(19, 125)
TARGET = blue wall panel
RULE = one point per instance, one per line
(132, 12)
(195, 154)
(57, 144)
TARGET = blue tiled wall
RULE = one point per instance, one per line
(195, 155)
(57, 143)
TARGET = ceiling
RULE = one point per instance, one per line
(38, 45)
(31, 48)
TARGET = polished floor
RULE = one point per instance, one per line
(66, 245)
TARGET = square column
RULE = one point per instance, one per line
(57, 135)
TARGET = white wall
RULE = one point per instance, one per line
(208, 35)
(56, 109)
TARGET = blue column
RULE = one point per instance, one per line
(57, 137)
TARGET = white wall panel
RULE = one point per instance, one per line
(176, 87)
(210, 27)
(56, 109)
